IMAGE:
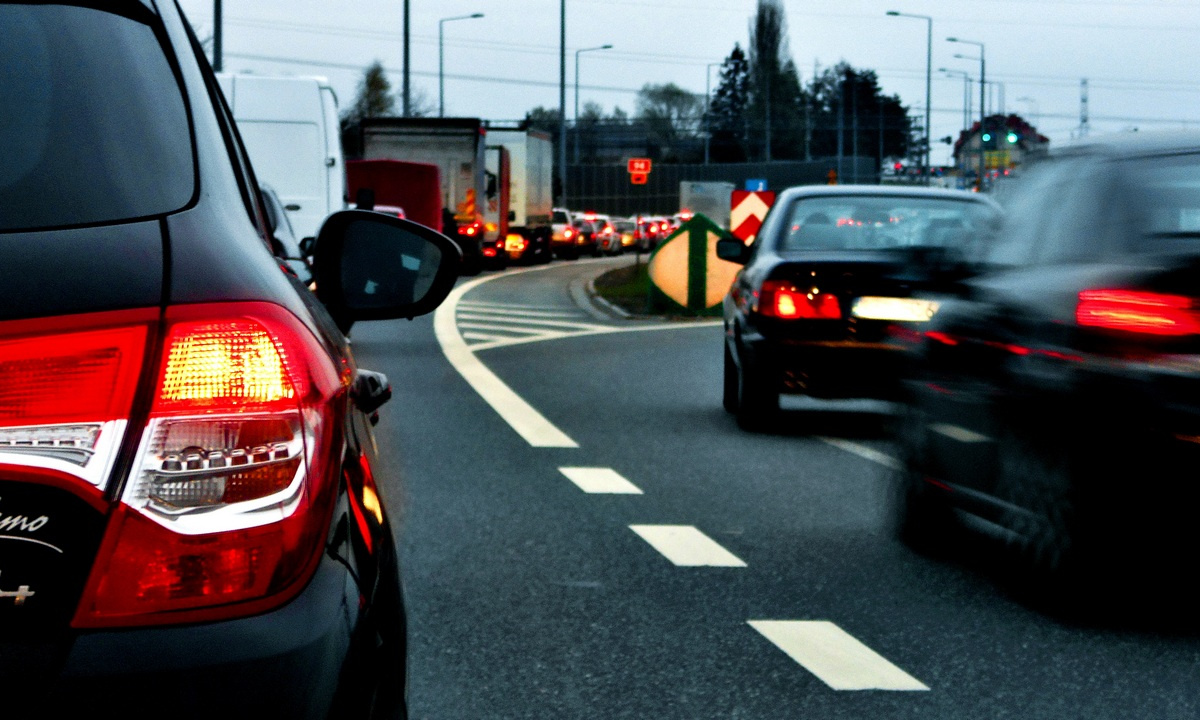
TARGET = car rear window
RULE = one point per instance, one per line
(1161, 201)
(879, 222)
(93, 123)
(560, 218)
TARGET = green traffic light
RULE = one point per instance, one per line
(1012, 138)
(987, 137)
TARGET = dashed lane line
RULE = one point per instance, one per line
(863, 451)
(835, 656)
(685, 546)
(600, 481)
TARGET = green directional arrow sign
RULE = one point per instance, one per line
(686, 269)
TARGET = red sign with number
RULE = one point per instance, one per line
(638, 178)
(639, 166)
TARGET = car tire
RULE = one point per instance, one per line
(757, 398)
(729, 390)
(1048, 540)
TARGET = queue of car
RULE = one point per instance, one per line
(1044, 356)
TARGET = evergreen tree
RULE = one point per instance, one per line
(728, 109)
(375, 97)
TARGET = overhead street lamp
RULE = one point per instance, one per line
(966, 92)
(707, 104)
(982, 101)
(1037, 115)
(577, 54)
(441, 58)
(928, 79)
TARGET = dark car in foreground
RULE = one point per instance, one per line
(834, 273)
(190, 520)
(1055, 401)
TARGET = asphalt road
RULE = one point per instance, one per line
(710, 573)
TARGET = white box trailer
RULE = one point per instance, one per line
(530, 189)
(291, 131)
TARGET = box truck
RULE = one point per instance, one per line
(458, 146)
(290, 128)
(530, 189)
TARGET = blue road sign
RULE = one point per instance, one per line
(756, 185)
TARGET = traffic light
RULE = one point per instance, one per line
(1012, 138)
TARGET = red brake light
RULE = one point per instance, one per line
(783, 300)
(1138, 312)
(226, 507)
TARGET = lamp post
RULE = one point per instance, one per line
(577, 54)
(707, 104)
(982, 100)
(966, 92)
(928, 79)
(441, 58)
(1037, 115)
(562, 101)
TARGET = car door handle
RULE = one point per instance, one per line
(370, 391)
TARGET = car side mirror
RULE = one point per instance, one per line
(371, 266)
(733, 250)
(306, 246)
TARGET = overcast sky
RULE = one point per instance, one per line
(1139, 58)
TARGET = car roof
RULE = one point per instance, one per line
(897, 191)
(1134, 144)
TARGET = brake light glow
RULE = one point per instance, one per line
(68, 389)
(782, 299)
(229, 498)
(568, 233)
(1138, 312)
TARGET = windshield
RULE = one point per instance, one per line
(882, 222)
(92, 123)
(1162, 198)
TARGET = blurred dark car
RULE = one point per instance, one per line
(190, 522)
(833, 273)
(1055, 404)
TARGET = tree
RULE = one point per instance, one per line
(727, 112)
(776, 116)
(844, 97)
(671, 116)
(374, 96)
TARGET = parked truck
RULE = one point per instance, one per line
(458, 147)
(530, 188)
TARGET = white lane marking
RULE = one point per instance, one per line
(961, 434)
(479, 304)
(520, 321)
(835, 656)
(585, 333)
(686, 546)
(520, 415)
(600, 480)
(484, 337)
(863, 452)
(506, 312)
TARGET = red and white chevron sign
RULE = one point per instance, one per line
(748, 210)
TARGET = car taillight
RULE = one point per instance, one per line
(228, 500)
(1138, 312)
(68, 389)
(781, 299)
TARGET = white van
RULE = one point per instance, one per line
(290, 128)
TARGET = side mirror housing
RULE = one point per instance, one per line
(371, 266)
(733, 250)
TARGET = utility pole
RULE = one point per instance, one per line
(406, 95)
(217, 60)
(1083, 108)
(562, 99)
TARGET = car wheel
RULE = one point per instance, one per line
(1042, 511)
(729, 391)
(757, 397)
(923, 519)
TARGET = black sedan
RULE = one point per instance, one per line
(834, 275)
(1055, 404)
(190, 519)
